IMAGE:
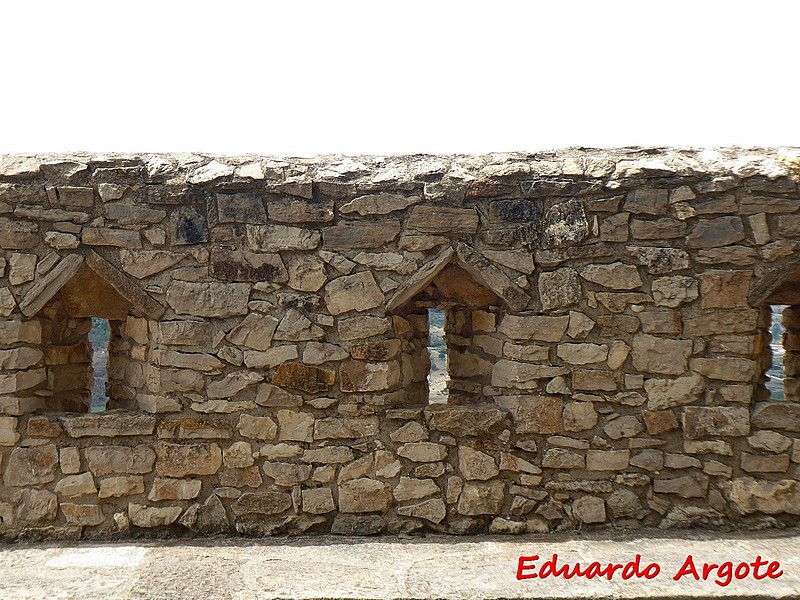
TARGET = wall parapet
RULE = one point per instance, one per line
(607, 329)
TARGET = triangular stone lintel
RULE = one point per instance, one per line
(43, 290)
(478, 267)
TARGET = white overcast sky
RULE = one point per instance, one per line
(380, 77)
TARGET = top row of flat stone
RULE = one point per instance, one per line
(296, 175)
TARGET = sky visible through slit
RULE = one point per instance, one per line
(437, 376)
(99, 337)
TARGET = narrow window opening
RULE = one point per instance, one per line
(437, 350)
(776, 374)
(99, 337)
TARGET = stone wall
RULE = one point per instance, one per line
(607, 328)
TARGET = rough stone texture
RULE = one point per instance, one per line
(605, 330)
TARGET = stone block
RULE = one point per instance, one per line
(715, 421)
(364, 495)
(180, 460)
(31, 466)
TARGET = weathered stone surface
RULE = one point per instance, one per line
(623, 427)
(545, 329)
(174, 489)
(784, 416)
(242, 265)
(109, 425)
(512, 374)
(378, 204)
(474, 464)
(357, 524)
(440, 219)
(113, 487)
(660, 355)
(318, 501)
(481, 498)
(423, 451)
(82, 514)
(364, 495)
(257, 428)
(729, 369)
(615, 276)
(357, 292)
(265, 503)
(105, 460)
(711, 233)
(607, 460)
(296, 327)
(582, 354)
(674, 291)
(306, 273)
(558, 458)
(432, 510)
(667, 393)
(277, 238)
(559, 289)
(30, 466)
(360, 235)
(589, 509)
(359, 376)
(180, 460)
(750, 495)
(464, 420)
(73, 486)
(304, 377)
(715, 421)
(217, 300)
(688, 486)
(287, 474)
(345, 428)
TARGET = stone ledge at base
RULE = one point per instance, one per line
(388, 568)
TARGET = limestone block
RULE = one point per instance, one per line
(589, 509)
(104, 460)
(304, 377)
(287, 474)
(360, 235)
(257, 428)
(306, 273)
(481, 498)
(238, 455)
(615, 276)
(582, 354)
(474, 464)
(113, 487)
(579, 416)
(423, 451)
(274, 357)
(31, 466)
(750, 495)
(295, 426)
(180, 460)
(359, 376)
(462, 421)
(652, 354)
(559, 289)
(651, 201)
(545, 329)
(440, 219)
(559, 458)
(623, 427)
(774, 463)
(345, 428)
(295, 327)
(149, 517)
(110, 424)
(70, 460)
(243, 265)
(22, 268)
(328, 455)
(715, 421)
(712, 233)
(432, 510)
(318, 501)
(607, 460)
(659, 421)
(82, 514)
(769, 441)
(728, 369)
(362, 327)
(210, 299)
(659, 260)
(364, 495)
(777, 415)
(357, 292)
(512, 374)
(232, 384)
(73, 486)
(174, 489)
(273, 396)
(724, 289)
(688, 486)
(378, 204)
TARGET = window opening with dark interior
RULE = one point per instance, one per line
(448, 360)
